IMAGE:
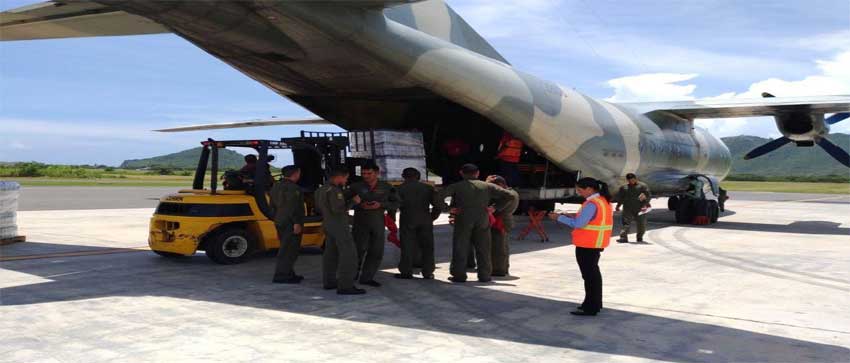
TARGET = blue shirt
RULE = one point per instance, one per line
(585, 215)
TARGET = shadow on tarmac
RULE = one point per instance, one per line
(471, 309)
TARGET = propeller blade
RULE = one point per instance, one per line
(836, 118)
(766, 148)
(835, 151)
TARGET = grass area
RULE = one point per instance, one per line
(38, 174)
(787, 187)
(177, 182)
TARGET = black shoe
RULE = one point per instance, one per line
(456, 280)
(428, 276)
(499, 274)
(404, 276)
(372, 283)
(640, 240)
(291, 280)
(583, 313)
(351, 291)
(582, 308)
(623, 240)
(485, 280)
(329, 287)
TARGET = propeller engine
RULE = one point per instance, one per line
(804, 129)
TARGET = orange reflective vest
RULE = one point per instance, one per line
(597, 233)
(510, 148)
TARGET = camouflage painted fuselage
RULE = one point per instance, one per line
(421, 66)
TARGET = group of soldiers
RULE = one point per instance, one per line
(481, 212)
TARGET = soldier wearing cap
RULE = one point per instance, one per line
(287, 204)
(470, 199)
(633, 196)
(500, 233)
(419, 206)
(339, 260)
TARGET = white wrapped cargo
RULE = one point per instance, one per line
(9, 192)
(393, 150)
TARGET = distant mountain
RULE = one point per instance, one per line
(788, 160)
(186, 159)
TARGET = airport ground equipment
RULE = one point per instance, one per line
(229, 224)
(9, 192)
(697, 202)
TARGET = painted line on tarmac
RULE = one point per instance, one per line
(75, 254)
(678, 237)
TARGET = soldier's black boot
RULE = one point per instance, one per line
(351, 291)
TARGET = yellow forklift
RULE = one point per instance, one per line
(232, 224)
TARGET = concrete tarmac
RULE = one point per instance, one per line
(73, 198)
(769, 283)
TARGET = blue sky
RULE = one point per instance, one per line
(94, 100)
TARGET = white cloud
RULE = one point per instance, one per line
(833, 79)
(652, 87)
(564, 29)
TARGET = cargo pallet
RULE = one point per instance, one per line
(10, 240)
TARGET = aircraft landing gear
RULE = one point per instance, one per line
(694, 211)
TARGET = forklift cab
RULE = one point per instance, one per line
(231, 224)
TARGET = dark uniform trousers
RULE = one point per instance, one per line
(339, 257)
(288, 206)
(417, 241)
(478, 234)
(339, 260)
(290, 245)
(629, 218)
(588, 264)
(369, 237)
(500, 250)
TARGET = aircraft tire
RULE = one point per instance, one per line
(684, 211)
(713, 211)
(672, 202)
(229, 246)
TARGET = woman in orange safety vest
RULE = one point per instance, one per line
(592, 227)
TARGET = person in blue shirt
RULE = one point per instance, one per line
(591, 233)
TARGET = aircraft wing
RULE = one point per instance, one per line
(745, 107)
(59, 19)
(250, 123)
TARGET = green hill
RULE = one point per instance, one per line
(788, 160)
(186, 159)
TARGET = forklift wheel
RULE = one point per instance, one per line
(229, 246)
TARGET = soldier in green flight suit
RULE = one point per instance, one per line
(376, 197)
(501, 248)
(419, 206)
(633, 196)
(339, 261)
(470, 198)
(288, 209)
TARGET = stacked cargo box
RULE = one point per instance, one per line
(9, 192)
(393, 151)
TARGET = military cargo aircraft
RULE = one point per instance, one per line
(396, 64)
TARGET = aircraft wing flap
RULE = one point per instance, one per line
(745, 107)
(57, 19)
